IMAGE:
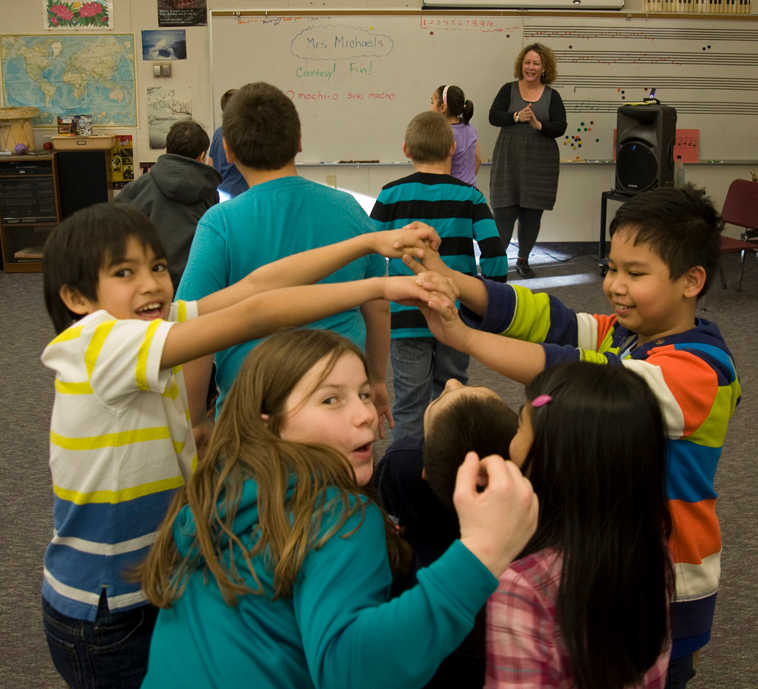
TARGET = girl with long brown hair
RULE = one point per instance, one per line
(273, 568)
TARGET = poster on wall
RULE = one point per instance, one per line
(164, 107)
(62, 15)
(122, 161)
(66, 75)
(182, 12)
(164, 44)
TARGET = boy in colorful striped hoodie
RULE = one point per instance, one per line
(664, 254)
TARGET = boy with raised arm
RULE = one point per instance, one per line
(120, 439)
(664, 253)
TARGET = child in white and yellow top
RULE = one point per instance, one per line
(121, 440)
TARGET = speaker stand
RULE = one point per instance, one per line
(601, 245)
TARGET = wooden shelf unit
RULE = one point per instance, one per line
(29, 210)
(37, 191)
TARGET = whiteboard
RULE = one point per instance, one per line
(357, 80)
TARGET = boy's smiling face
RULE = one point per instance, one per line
(639, 287)
(136, 285)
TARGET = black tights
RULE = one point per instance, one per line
(528, 227)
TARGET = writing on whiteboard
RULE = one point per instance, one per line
(316, 72)
(332, 96)
(357, 69)
(336, 42)
(486, 24)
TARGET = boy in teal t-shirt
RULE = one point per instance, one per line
(281, 214)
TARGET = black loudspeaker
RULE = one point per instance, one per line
(83, 179)
(645, 147)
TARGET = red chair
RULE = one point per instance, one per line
(740, 208)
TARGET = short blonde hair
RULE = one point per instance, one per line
(548, 62)
(429, 138)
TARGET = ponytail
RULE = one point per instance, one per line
(468, 112)
(455, 100)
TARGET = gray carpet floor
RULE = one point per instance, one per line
(728, 662)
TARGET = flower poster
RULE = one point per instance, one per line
(64, 15)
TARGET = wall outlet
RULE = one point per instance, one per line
(162, 69)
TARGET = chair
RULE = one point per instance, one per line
(740, 208)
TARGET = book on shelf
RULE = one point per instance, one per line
(30, 253)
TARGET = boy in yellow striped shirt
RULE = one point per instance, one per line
(121, 440)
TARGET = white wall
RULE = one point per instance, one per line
(577, 210)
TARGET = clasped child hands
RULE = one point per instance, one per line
(440, 312)
(413, 239)
(411, 291)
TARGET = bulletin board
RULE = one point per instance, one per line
(358, 79)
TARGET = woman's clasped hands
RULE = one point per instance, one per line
(527, 115)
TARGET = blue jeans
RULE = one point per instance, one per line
(109, 653)
(681, 671)
(420, 369)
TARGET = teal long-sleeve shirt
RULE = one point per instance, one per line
(336, 630)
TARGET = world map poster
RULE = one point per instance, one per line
(70, 75)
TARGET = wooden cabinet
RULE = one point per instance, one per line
(38, 191)
(29, 209)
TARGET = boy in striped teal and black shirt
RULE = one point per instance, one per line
(459, 213)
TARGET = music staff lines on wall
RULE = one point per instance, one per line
(720, 108)
(710, 34)
(648, 81)
(656, 58)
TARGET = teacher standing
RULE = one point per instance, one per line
(524, 177)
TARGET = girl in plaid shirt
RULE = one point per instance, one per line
(587, 603)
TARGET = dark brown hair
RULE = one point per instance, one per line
(455, 102)
(261, 127)
(88, 240)
(598, 464)
(484, 424)
(681, 226)
(187, 138)
(226, 97)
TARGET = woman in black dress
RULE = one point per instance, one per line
(524, 177)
